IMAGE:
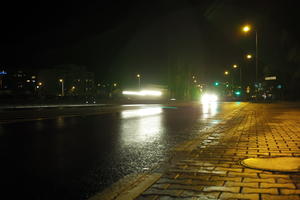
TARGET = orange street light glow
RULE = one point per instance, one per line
(246, 28)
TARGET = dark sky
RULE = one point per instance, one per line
(117, 39)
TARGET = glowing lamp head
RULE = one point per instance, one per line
(246, 28)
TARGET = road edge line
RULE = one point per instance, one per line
(129, 187)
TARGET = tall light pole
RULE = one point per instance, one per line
(139, 78)
(246, 29)
(240, 68)
(249, 56)
(62, 87)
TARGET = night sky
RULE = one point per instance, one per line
(117, 39)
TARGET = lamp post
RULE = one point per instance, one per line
(246, 29)
(62, 87)
(139, 78)
(240, 68)
(226, 73)
(249, 56)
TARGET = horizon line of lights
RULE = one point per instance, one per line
(143, 93)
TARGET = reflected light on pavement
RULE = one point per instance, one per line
(60, 122)
(140, 112)
(209, 109)
(141, 126)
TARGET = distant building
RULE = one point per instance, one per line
(3, 75)
(18, 82)
(74, 80)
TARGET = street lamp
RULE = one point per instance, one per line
(249, 56)
(246, 29)
(226, 73)
(139, 78)
(62, 87)
(235, 67)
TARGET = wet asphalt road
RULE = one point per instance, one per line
(76, 157)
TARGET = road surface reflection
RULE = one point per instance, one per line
(141, 125)
(209, 110)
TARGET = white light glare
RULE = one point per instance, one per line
(143, 93)
(208, 98)
(141, 112)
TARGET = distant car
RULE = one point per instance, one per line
(90, 100)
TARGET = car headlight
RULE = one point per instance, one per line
(208, 98)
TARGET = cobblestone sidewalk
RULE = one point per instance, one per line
(212, 170)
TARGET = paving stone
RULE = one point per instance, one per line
(221, 189)
(279, 197)
(289, 191)
(277, 185)
(260, 190)
(148, 197)
(243, 174)
(239, 184)
(228, 195)
(252, 170)
(194, 176)
(201, 195)
(228, 169)
(195, 188)
(153, 191)
(189, 182)
(273, 176)
(160, 186)
(225, 178)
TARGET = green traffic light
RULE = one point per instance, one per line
(238, 93)
(217, 83)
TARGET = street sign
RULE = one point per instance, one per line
(268, 78)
